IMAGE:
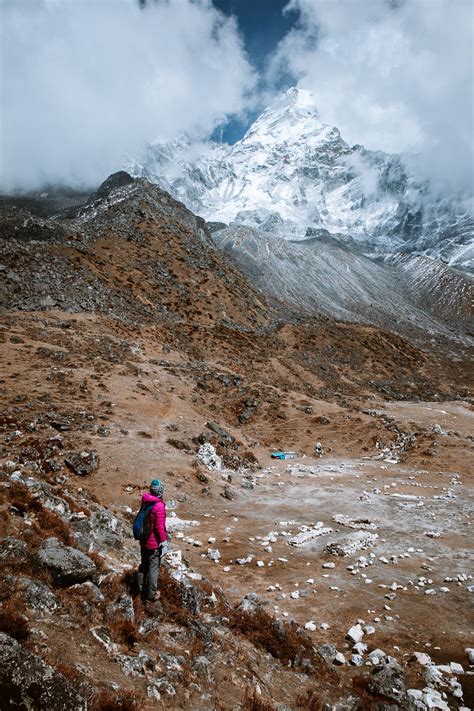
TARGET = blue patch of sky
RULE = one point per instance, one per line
(262, 24)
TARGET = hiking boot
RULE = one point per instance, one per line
(154, 598)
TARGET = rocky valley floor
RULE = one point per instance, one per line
(341, 579)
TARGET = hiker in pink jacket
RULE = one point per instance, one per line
(153, 548)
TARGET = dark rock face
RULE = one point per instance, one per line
(222, 433)
(113, 182)
(26, 682)
(67, 564)
(388, 680)
(82, 463)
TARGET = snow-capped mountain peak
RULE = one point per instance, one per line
(295, 177)
(293, 110)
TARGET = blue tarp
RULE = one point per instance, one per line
(284, 455)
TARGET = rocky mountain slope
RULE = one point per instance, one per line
(404, 293)
(134, 254)
(129, 342)
(296, 177)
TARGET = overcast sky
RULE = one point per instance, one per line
(87, 83)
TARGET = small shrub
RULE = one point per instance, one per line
(75, 506)
(285, 641)
(129, 579)
(21, 498)
(4, 523)
(195, 647)
(13, 620)
(116, 584)
(113, 586)
(310, 701)
(124, 632)
(221, 607)
(106, 700)
(49, 525)
(172, 599)
(98, 560)
(71, 673)
(253, 702)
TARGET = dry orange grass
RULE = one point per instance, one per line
(13, 619)
(107, 700)
(284, 641)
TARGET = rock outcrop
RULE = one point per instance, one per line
(27, 682)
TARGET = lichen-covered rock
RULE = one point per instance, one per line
(351, 703)
(91, 589)
(12, 550)
(101, 529)
(26, 682)
(67, 564)
(123, 607)
(36, 594)
(327, 651)
(189, 594)
(165, 686)
(203, 668)
(82, 463)
(135, 666)
(250, 603)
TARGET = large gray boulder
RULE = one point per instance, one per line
(68, 565)
(27, 682)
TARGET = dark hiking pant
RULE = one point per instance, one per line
(148, 572)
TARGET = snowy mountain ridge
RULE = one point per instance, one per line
(294, 177)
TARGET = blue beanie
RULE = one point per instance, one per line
(157, 487)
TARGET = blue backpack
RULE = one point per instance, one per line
(142, 523)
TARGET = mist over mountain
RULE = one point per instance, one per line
(78, 101)
(87, 84)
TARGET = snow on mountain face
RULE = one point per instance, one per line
(295, 177)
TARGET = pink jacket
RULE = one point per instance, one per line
(157, 520)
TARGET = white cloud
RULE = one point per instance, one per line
(85, 83)
(395, 75)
